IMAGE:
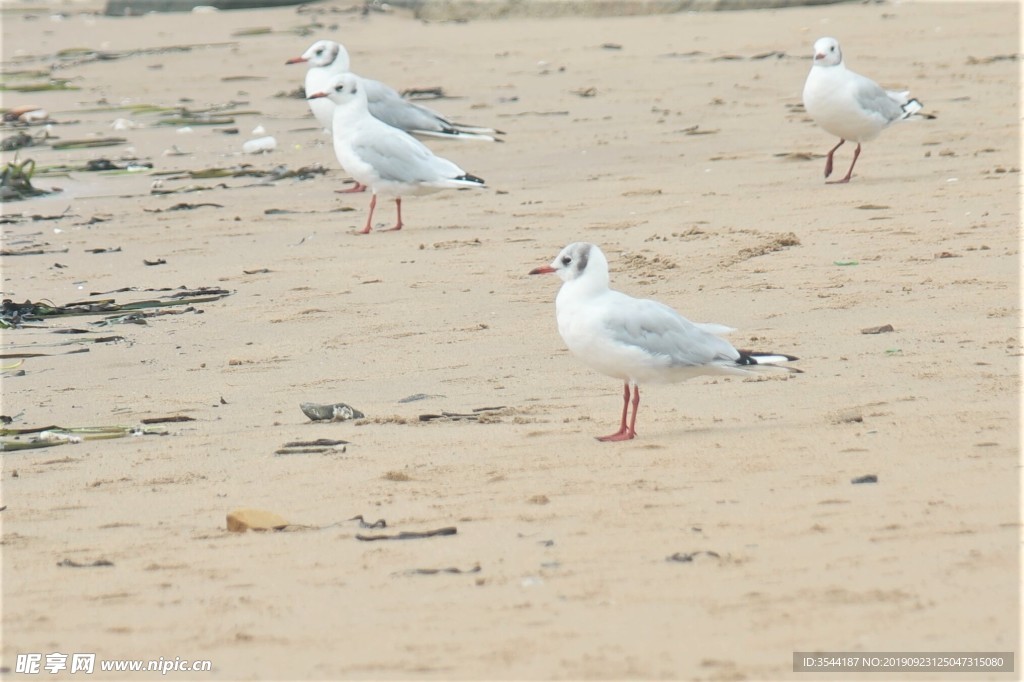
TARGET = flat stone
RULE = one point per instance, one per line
(242, 520)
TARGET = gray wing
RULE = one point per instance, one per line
(398, 157)
(658, 329)
(388, 106)
(875, 100)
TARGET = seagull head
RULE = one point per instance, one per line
(324, 53)
(580, 261)
(343, 88)
(827, 52)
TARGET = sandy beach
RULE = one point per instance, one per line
(724, 538)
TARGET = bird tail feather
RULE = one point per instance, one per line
(755, 360)
(455, 134)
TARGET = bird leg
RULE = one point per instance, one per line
(358, 187)
(369, 218)
(828, 161)
(849, 173)
(398, 225)
(624, 432)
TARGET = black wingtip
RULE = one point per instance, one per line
(749, 357)
(471, 178)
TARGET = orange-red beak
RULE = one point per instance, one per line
(296, 60)
(543, 270)
(317, 95)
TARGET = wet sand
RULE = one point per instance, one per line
(690, 162)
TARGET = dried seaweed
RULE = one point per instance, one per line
(50, 436)
(320, 446)
(246, 170)
(456, 416)
(15, 314)
(90, 143)
(16, 181)
(410, 535)
(46, 86)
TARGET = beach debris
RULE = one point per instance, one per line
(71, 563)
(30, 114)
(77, 341)
(97, 165)
(16, 181)
(379, 523)
(178, 418)
(157, 188)
(688, 557)
(475, 415)
(48, 436)
(21, 139)
(241, 520)
(867, 478)
(336, 412)
(297, 93)
(410, 535)
(124, 124)
(41, 86)
(769, 244)
(848, 416)
(246, 170)
(16, 314)
(104, 249)
(435, 571)
(882, 329)
(183, 207)
(418, 396)
(973, 61)
(424, 93)
(158, 261)
(798, 156)
(845, 262)
(319, 446)
(260, 145)
(90, 143)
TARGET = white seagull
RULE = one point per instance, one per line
(849, 105)
(638, 340)
(327, 59)
(387, 160)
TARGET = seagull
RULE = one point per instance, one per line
(327, 59)
(387, 160)
(849, 105)
(638, 340)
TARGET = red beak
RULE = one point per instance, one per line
(819, 55)
(317, 95)
(543, 270)
(296, 60)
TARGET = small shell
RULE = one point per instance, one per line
(34, 115)
(260, 145)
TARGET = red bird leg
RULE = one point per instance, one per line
(369, 218)
(828, 161)
(624, 432)
(398, 225)
(358, 187)
(849, 173)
